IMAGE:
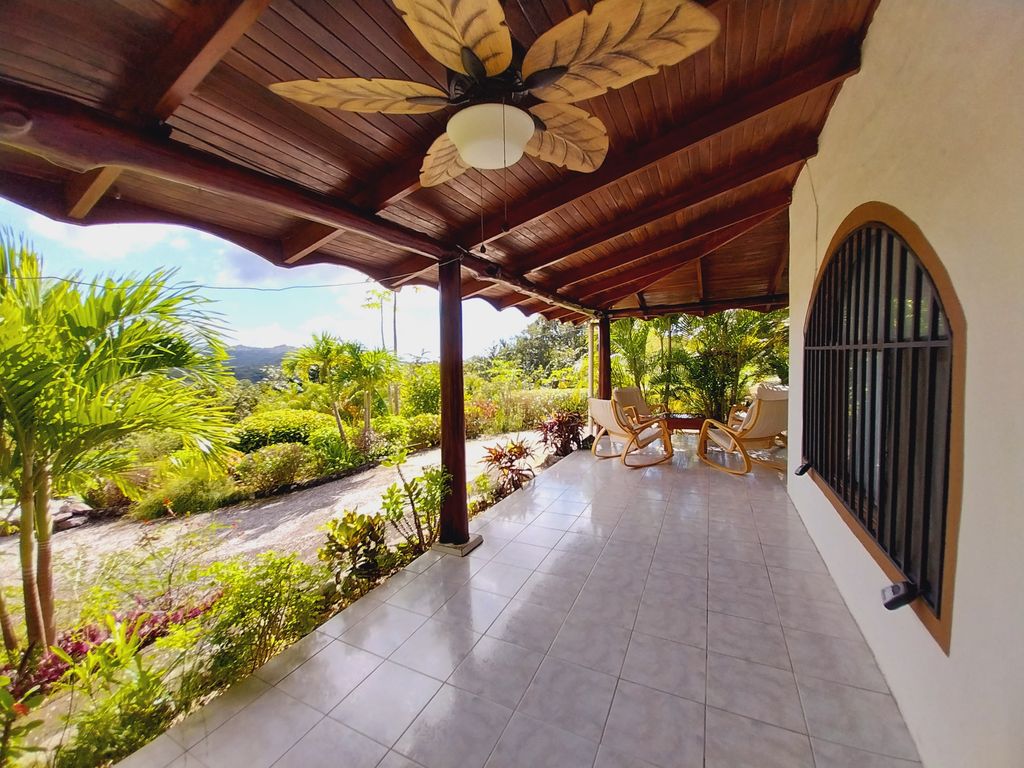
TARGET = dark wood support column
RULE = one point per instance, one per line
(604, 358)
(454, 524)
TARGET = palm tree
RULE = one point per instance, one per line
(372, 372)
(327, 361)
(629, 339)
(724, 352)
(82, 367)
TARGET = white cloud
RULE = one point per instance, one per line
(103, 242)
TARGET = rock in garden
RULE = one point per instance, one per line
(69, 522)
(76, 508)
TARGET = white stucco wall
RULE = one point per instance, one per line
(934, 125)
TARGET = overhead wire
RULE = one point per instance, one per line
(257, 288)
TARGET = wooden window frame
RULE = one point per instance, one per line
(940, 626)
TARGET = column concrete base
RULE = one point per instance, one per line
(459, 550)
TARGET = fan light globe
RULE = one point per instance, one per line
(490, 136)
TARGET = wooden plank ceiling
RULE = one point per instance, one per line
(158, 110)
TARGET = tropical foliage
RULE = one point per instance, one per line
(83, 367)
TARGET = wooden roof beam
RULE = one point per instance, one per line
(607, 291)
(704, 307)
(77, 136)
(692, 232)
(197, 47)
(203, 41)
(734, 111)
(746, 171)
(83, 191)
(471, 288)
(306, 238)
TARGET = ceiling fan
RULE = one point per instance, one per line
(512, 101)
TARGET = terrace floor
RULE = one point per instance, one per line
(613, 618)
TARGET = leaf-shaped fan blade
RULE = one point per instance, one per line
(571, 138)
(468, 36)
(618, 42)
(357, 94)
(442, 163)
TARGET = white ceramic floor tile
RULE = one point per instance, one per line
(329, 676)
(497, 670)
(330, 744)
(605, 605)
(386, 702)
(436, 648)
(529, 743)
(666, 666)
(600, 647)
(338, 624)
(856, 718)
(569, 697)
(472, 608)
(455, 730)
(754, 690)
(499, 578)
(258, 735)
(384, 630)
(215, 713)
(657, 727)
(529, 625)
(731, 741)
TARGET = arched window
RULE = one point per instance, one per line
(881, 400)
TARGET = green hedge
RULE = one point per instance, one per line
(283, 426)
(270, 467)
(424, 430)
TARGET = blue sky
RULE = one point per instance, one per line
(255, 318)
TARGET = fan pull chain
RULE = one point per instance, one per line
(504, 161)
(483, 245)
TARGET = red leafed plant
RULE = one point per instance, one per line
(562, 432)
(510, 460)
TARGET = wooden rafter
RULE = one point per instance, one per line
(86, 189)
(197, 46)
(606, 291)
(471, 288)
(306, 238)
(733, 112)
(780, 269)
(700, 278)
(690, 233)
(704, 307)
(77, 136)
(722, 182)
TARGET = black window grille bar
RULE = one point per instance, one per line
(878, 382)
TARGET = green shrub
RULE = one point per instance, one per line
(182, 495)
(326, 454)
(153, 446)
(105, 494)
(356, 551)
(424, 430)
(264, 607)
(127, 700)
(480, 415)
(413, 507)
(421, 389)
(283, 426)
(269, 467)
(392, 433)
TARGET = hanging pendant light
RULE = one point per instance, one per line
(490, 136)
